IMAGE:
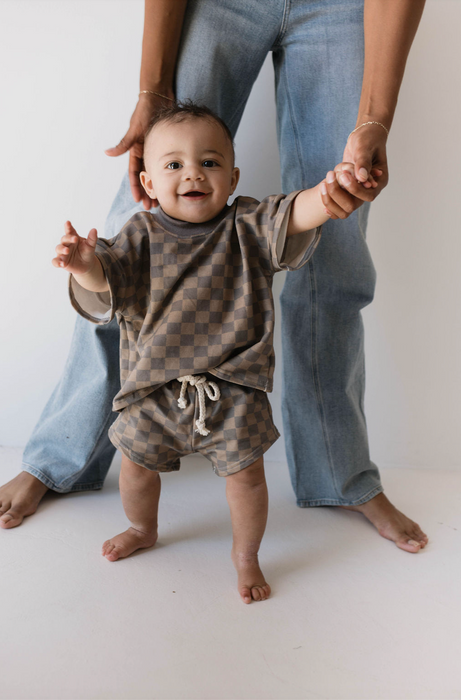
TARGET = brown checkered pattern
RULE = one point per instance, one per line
(192, 298)
(155, 432)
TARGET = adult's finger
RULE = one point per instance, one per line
(349, 184)
(122, 147)
(363, 165)
(135, 167)
(133, 141)
(366, 149)
(366, 163)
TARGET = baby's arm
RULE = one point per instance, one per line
(77, 256)
(328, 199)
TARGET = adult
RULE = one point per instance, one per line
(338, 67)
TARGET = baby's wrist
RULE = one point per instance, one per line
(89, 273)
(93, 279)
(322, 192)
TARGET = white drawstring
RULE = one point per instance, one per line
(201, 384)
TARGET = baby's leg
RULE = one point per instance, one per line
(140, 492)
(247, 497)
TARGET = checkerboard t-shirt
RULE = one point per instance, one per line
(194, 298)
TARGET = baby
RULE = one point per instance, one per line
(190, 284)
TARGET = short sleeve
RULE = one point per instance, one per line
(269, 221)
(289, 252)
(94, 306)
(124, 260)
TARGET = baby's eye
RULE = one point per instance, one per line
(209, 163)
(174, 165)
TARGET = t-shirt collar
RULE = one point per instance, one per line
(185, 228)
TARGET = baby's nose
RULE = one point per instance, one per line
(193, 173)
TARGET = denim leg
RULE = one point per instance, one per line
(318, 64)
(69, 449)
(223, 47)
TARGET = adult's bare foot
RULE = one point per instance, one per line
(18, 498)
(392, 524)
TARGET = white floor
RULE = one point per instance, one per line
(351, 615)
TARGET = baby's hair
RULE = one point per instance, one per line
(181, 111)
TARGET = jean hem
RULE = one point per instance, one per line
(95, 486)
(331, 502)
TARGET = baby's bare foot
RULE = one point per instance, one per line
(128, 542)
(18, 498)
(251, 582)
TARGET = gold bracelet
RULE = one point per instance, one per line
(366, 124)
(151, 92)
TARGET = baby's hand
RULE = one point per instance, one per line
(342, 194)
(76, 254)
(349, 168)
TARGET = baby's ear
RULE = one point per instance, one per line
(146, 182)
(234, 179)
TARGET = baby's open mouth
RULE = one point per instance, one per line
(195, 194)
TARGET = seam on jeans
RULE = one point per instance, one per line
(292, 120)
(242, 104)
(284, 23)
(316, 373)
(303, 180)
(240, 109)
(315, 362)
(330, 502)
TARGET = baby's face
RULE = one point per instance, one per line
(189, 169)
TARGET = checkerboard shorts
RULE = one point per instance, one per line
(155, 432)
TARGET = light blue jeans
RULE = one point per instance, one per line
(317, 50)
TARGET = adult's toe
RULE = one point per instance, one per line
(409, 545)
(12, 518)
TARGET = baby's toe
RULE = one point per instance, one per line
(113, 555)
(109, 551)
(256, 592)
(264, 591)
(245, 592)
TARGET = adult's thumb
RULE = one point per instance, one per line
(122, 147)
(362, 168)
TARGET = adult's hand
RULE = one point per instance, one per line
(133, 141)
(366, 149)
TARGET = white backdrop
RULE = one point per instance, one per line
(69, 84)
